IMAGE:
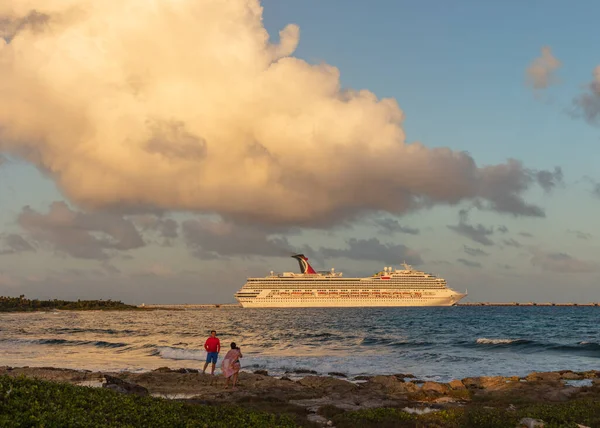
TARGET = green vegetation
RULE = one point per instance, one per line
(26, 402)
(22, 304)
(33, 403)
(568, 414)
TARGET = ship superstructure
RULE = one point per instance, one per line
(390, 287)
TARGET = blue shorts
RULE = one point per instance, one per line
(211, 357)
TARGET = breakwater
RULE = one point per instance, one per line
(191, 306)
(526, 304)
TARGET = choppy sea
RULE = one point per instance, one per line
(431, 343)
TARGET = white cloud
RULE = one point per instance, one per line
(184, 105)
(541, 71)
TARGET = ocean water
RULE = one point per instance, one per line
(431, 343)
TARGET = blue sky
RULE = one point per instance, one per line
(457, 70)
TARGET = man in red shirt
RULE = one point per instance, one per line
(212, 346)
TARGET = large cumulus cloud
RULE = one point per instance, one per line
(186, 105)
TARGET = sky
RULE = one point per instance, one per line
(162, 152)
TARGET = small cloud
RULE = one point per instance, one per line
(541, 72)
(475, 251)
(502, 229)
(587, 105)
(479, 233)
(110, 268)
(505, 266)
(373, 249)
(501, 186)
(14, 244)
(549, 179)
(391, 226)
(595, 191)
(166, 228)
(79, 234)
(157, 269)
(561, 262)
(209, 240)
(580, 235)
(526, 234)
(511, 243)
(469, 263)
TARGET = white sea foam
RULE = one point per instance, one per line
(579, 382)
(486, 341)
(181, 354)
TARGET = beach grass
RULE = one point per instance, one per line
(26, 402)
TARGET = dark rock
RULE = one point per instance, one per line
(338, 374)
(362, 377)
(328, 384)
(302, 371)
(405, 376)
(182, 370)
(163, 370)
(286, 378)
(261, 372)
(123, 387)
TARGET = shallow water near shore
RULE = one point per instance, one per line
(432, 343)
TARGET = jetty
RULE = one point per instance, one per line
(525, 304)
(186, 307)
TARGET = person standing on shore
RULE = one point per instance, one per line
(231, 365)
(212, 347)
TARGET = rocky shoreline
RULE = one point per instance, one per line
(317, 396)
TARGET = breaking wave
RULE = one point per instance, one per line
(171, 353)
(486, 341)
(442, 343)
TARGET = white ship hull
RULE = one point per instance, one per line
(338, 303)
(310, 289)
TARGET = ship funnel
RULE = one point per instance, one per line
(305, 267)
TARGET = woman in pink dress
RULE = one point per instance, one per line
(231, 364)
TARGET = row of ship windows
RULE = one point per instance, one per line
(347, 297)
(330, 291)
(431, 278)
(391, 287)
(329, 300)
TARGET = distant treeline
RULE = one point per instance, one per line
(22, 304)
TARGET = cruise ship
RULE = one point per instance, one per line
(309, 288)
